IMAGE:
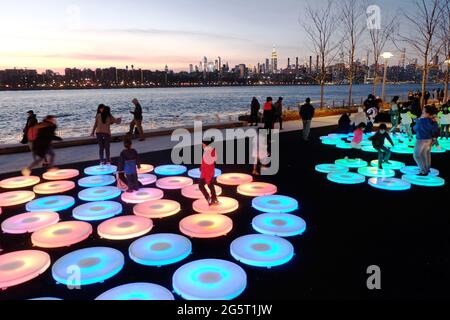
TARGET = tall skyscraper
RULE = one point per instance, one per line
(403, 58)
(296, 63)
(289, 63)
(274, 60)
(205, 63)
(191, 68)
(267, 67)
(220, 65)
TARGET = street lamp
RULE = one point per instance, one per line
(386, 56)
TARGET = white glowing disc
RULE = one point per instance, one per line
(143, 195)
(63, 234)
(137, 291)
(206, 226)
(257, 189)
(426, 181)
(375, 172)
(54, 187)
(99, 194)
(15, 198)
(94, 211)
(147, 179)
(174, 183)
(413, 170)
(352, 163)
(196, 174)
(279, 224)
(234, 179)
(331, 168)
(96, 181)
(391, 184)
(125, 227)
(393, 165)
(170, 170)
(51, 203)
(100, 170)
(19, 182)
(157, 209)
(193, 192)
(346, 178)
(226, 205)
(29, 222)
(61, 174)
(275, 204)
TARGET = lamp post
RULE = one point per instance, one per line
(386, 56)
(446, 97)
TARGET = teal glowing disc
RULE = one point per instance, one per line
(393, 165)
(369, 148)
(402, 149)
(413, 170)
(391, 184)
(344, 145)
(424, 181)
(373, 172)
(330, 142)
(438, 150)
(346, 178)
(352, 163)
(329, 168)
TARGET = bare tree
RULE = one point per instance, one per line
(444, 35)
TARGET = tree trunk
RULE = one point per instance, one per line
(375, 79)
(350, 85)
(424, 85)
(322, 93)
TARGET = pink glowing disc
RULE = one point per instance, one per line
(14, 198)
(61, 174)
(234, 179)
(174, 183)
(29, 222)
(147, 179)
(205, 226)
(143, 195)
(126, 227)
(22, 266)
(193, 192)
(19, 182)
(63, 234)
(226, 205)
(145, 168)
(54, 187)
(257, 189)
(157, 209)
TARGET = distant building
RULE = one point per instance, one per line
(274, 61)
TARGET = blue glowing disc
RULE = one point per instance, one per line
(210, 280)
(92, 265)
(261, 250)
(137, 291)
(369, 148)
(275, 204)
(329, 168)
(391, 184)
(99, 194)
(346, 178)
(95, 211)
(96, 181)
(170, 170)
(279, 224)
(393, 165)
(195, 173)
(160, 249)
(352, 163)
(427, 181)
(100, 170)
(412, 170)
(344, 145)
(50, 204)
(375, 172)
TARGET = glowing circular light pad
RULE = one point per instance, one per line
(100, 170)
(29, 222)
(147, 179)
(46, 299)
(143, 195)
(279, 224)
(52, 204)
(393, 165)
(391, 184)
(331, 168)
(369, 148)
(275, 204)
(257, 189)
(438, 150)
(160, 249)
(157, 209)
(352, 163)
(428, 181)
(344, 145)
(15, 198)
(262, 250)
(375, 172)
(96, 181)
(412, 170)
(137, 291)
(401, 149)
(93, 264)
(19, 182)
(193, 192)
(54, 187)
(226, 205)
(346, 178)
(94, 211)
(145, 168)
(210, 280)
(22, 266)
(196, 174)
(61, 174)
(234, 179)
(99, 194)
(330, 141)
(206, 226)
(174, 183)
(170, 170)
(126, 227)
(63, 234)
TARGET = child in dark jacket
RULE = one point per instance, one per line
(128, 164)
(378, 139)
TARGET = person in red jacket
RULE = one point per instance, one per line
(207, 173)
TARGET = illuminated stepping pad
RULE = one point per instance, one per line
(50, 204)
(393, 165)
(157, 209)
(226, 205)
(279, 224)
(330, 141)
(46, 299)
(100, 170)
(94, 211)
(413, 171)
(29, 222)
(170, 170)
(19, 182)
(147, 179)
(195, 173)
(22, 266)
(435, 149)
(375, 172)
(428, 181)
(391, 184)
(126, 227)
(54, 187)
(257, 189)
(143, 195)
(262, 250)
(346, 178)
(352, 163)
(61, 174)
(99, 194)
(402, 149)
(329, 168)
(63, 234)
(160, 249)
(174, 183)
(234, 179)
(145, 168)
(206, 226)
(93, 264)
(15, 198)
(209, 279)
(275, 204)
(193, 192)
(96, 181)
(137, 291)
(369, 148)
(344, 145)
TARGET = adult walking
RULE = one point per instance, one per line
(307, 114)
(427, 131)
(268, 114)
(278, 112)
(137, 119)
(102, 129)
(31, 122)
(395, 114)
(254, 112)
